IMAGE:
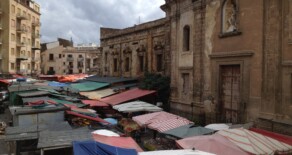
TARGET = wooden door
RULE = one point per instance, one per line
(230, 93)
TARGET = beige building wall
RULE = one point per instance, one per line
(71, 60)
(20, 37)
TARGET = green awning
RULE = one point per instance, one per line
(70, 104)
(88, 86)
(188, 131)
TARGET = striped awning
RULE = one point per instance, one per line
(161, 121)
(169, 124)
(255, 143)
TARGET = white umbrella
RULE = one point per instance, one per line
(136, 106)
(217, 127)
(105, 133)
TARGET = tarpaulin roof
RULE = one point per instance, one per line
(188, 131)
(67, 103)
(125, 86)
(62, 138)
(98, 94)
(175, 152)
(211, 143)
(279, 137)
(57, 84)
(36, 93)
(136, 106)
(127, 96)
(110, 80)
(123, 142)
(94, 103)
(96, 148)
(88, 86)
(97, 119)
(255, 143)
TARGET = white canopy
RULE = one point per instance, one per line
(136, 106)
(105, 133)
(176, 152)
(217, 127)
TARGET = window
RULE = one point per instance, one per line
(13, 23)
(70, 56)
(186, 82)
(60, 55)
(80, 70)
(18, 11)
(12, 37)
(115, 64)
(127, 64)
(29, 17)
(105, 58)
(64, 63)
(159, 62)
(12, 66)
(51, 57)
(141, 63)
(229, 16)
(186, 38)
(13, 9)
(12, 51)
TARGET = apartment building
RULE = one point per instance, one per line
(61, 58)
(19, 36)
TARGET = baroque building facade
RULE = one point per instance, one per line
(229, 60)
(132, 51)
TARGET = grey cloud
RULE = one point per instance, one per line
(82, 19)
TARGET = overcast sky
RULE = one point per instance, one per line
(82, 19)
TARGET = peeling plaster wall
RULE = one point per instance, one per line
(212, 9)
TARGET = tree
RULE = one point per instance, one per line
(160, 83)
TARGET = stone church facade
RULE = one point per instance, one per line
(228, 59)
(132, 51)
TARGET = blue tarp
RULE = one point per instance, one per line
(57, 84)
(96, 148)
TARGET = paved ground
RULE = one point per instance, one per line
(6, 118)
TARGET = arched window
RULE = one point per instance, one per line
(229, 16)
(186, 38)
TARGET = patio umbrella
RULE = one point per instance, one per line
(217, 127)
(105, 132)
(188, 131)
(136, 106)
(216, 144)
(255, 143)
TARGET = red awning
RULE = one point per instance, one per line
(123, 142)
(94, 103)
(97, 119)
(279, 137)
(127, 96)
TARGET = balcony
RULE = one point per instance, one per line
(80, 59)
(35, 35)
(36, 23)
(20, 44)
(70, 67)
(34, 59)
(21, 16)
(21, 29)
(21, 57)
(35, 47)
(70, 59)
